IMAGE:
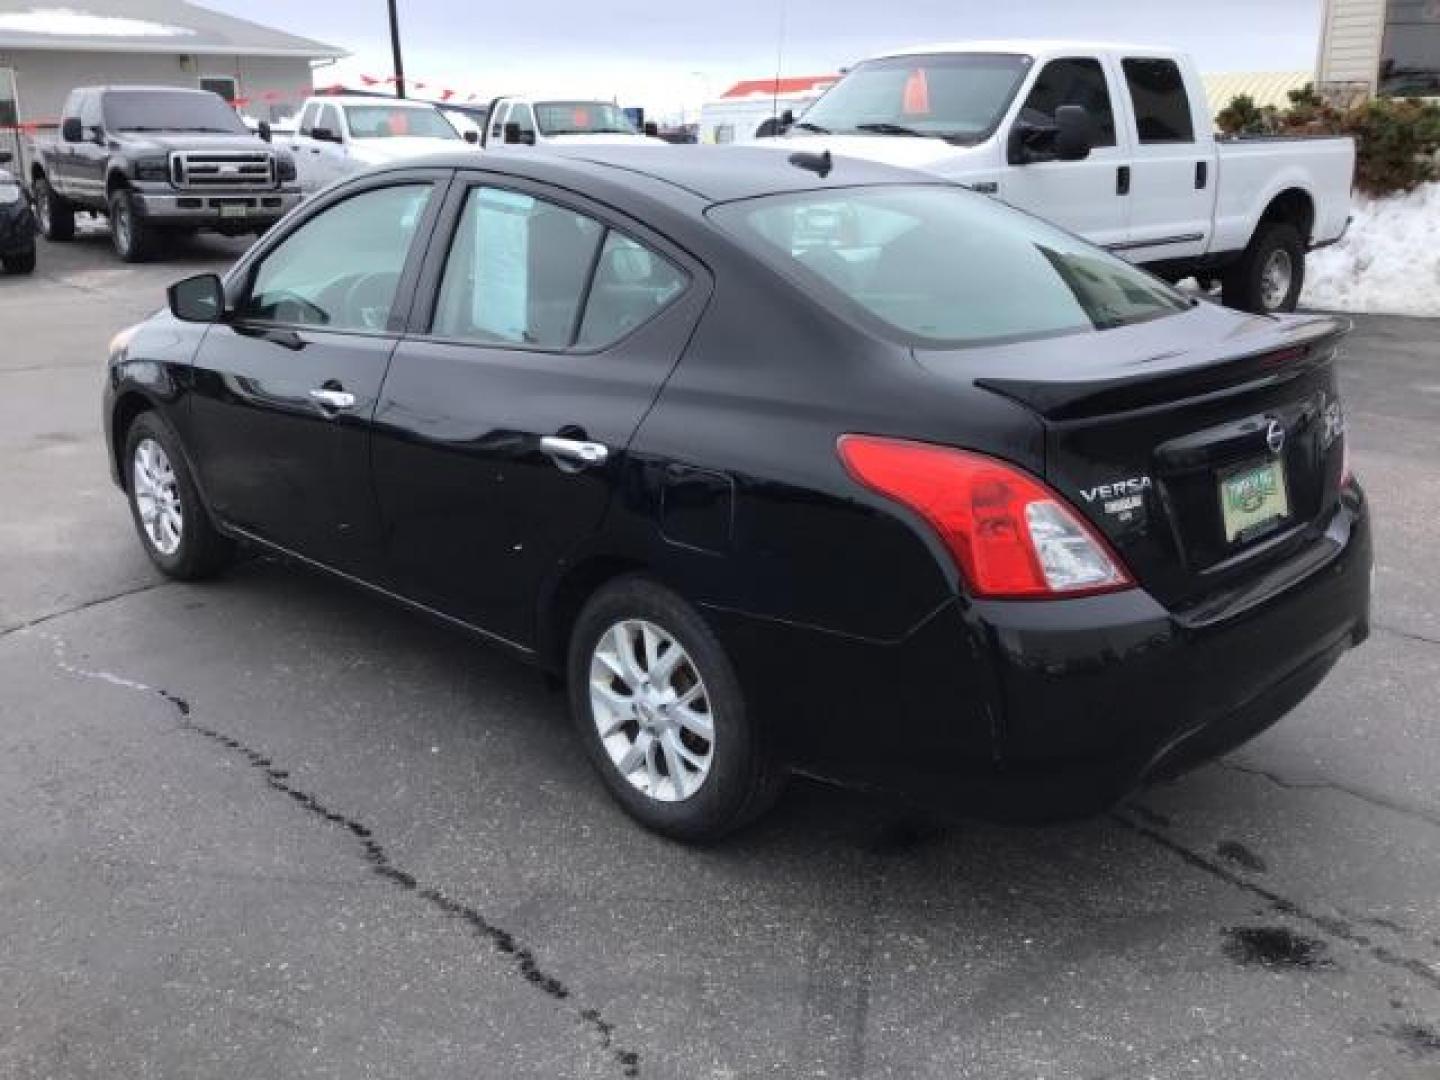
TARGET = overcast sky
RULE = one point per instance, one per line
(666, 53)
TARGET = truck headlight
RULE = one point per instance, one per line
(10, 193)
(155, 168)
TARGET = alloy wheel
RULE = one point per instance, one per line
(157, 496)
(1275, 279)
(120, 226)
(42, 207)
(651, 710)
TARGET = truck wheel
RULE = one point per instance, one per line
(22, 262)
(134, 238)
(56, 216)
(1268, 277)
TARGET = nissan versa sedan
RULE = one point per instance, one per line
(783, 463)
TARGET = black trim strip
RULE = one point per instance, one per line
(1131, 245)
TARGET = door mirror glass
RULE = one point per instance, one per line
(6, 157)
(264, 130)
(198, 299)
(472, 136)
(324, 134)
(71, 130)
(1074, 133)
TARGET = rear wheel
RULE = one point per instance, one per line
(662, 715)
(173, 524)
(135, 239)
(21, 262)
(55, 215)
(1268, 277)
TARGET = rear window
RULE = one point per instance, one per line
(939, 265)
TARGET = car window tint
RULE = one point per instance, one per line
(631, 285)
(516, 272)
(1072, 82)
(946, 266)
(522, 115)
(341, 268)
(1162, 107)
(330, 118)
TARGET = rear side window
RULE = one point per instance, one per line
(631, 284)
(937, 265)
(1072, 82)
(1162, 107)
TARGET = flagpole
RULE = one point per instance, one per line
(395, 51)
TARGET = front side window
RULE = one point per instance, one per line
(1410, 50)
(959, 97)
(389, 122)
(1072, 82)
(582, 118)
(1162, 107)
(936, 265)
(330, 121)
(308, 118)
(340, 270)
(523, 117)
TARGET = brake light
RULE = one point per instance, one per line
(1009, 534)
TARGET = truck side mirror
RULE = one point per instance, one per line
(787, 120)
(6, 157)
(324, 134)
(198, 299)
(652, 129)
(71, 130)
(472, 136)
(1074, 133)
(266, 133)
(514, 136)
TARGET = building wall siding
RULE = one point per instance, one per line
(1350, 41)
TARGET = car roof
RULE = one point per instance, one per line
(1040, 47)
(683, 174)
(382, 101)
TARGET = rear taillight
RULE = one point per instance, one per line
(1009, 534)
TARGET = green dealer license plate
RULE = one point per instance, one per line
(1252, 497)
(233, 209)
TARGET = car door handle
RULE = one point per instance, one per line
(575, 452)
(337, 400)
(1122, 180)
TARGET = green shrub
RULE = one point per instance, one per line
(1396, 140)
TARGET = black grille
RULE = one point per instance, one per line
(202, 170)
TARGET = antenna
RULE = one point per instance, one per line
(779, 62)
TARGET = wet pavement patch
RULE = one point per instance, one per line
(1275, 947)
(1235, 852)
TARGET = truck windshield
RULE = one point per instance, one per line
(582, 118)
(170, 110)
(959, 97)
(394, 122)
(938, 265)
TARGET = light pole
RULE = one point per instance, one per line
(395, 51)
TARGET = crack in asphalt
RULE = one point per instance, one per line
(1328, 924)
(1410, 635)
(85, 605)
(1379, 801)
(503, 941)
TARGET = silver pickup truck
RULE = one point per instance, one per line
(157, 160)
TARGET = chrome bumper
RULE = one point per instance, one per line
(208, 207)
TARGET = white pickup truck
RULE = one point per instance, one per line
(337, 135)
(1114, 142)
(518, 121)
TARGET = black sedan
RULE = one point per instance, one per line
(17, 222)
(781, 463)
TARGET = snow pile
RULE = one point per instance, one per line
(1389, 261)
(64, 22)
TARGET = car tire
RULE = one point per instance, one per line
(134, 238)
(1268, 277)
(56, 216)
(21, 262)
(174, 526)
(740, 778)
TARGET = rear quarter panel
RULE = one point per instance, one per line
(1252, 173)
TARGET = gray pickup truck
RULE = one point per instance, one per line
(157, 160)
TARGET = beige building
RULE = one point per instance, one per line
(1385, 47)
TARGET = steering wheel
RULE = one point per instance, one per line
(368, 299)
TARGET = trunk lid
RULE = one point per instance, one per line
(1205, 447)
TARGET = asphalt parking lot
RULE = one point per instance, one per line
(268, 826)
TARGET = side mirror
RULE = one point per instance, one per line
(71, 130)
(652, 129)
(787, 119)
(198, 299)
(514, 136)
(266, 133)
(6, 157)
(472, 136)
(1074, 133)
(324, 134)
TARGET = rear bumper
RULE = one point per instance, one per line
(1043, 711)
(205, 207)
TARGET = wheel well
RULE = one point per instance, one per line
(1294, 207)
(37, 173)
(557, 617)
(127, 409)
(114, 182)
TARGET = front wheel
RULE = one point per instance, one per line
(135, 239)
(172, 522)
(1268, 277)
(662, 715)
(55, 215)
(21, 262)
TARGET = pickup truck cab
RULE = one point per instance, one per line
(518, 121)
(1113, 142)
(157, 160)
(339, 135)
